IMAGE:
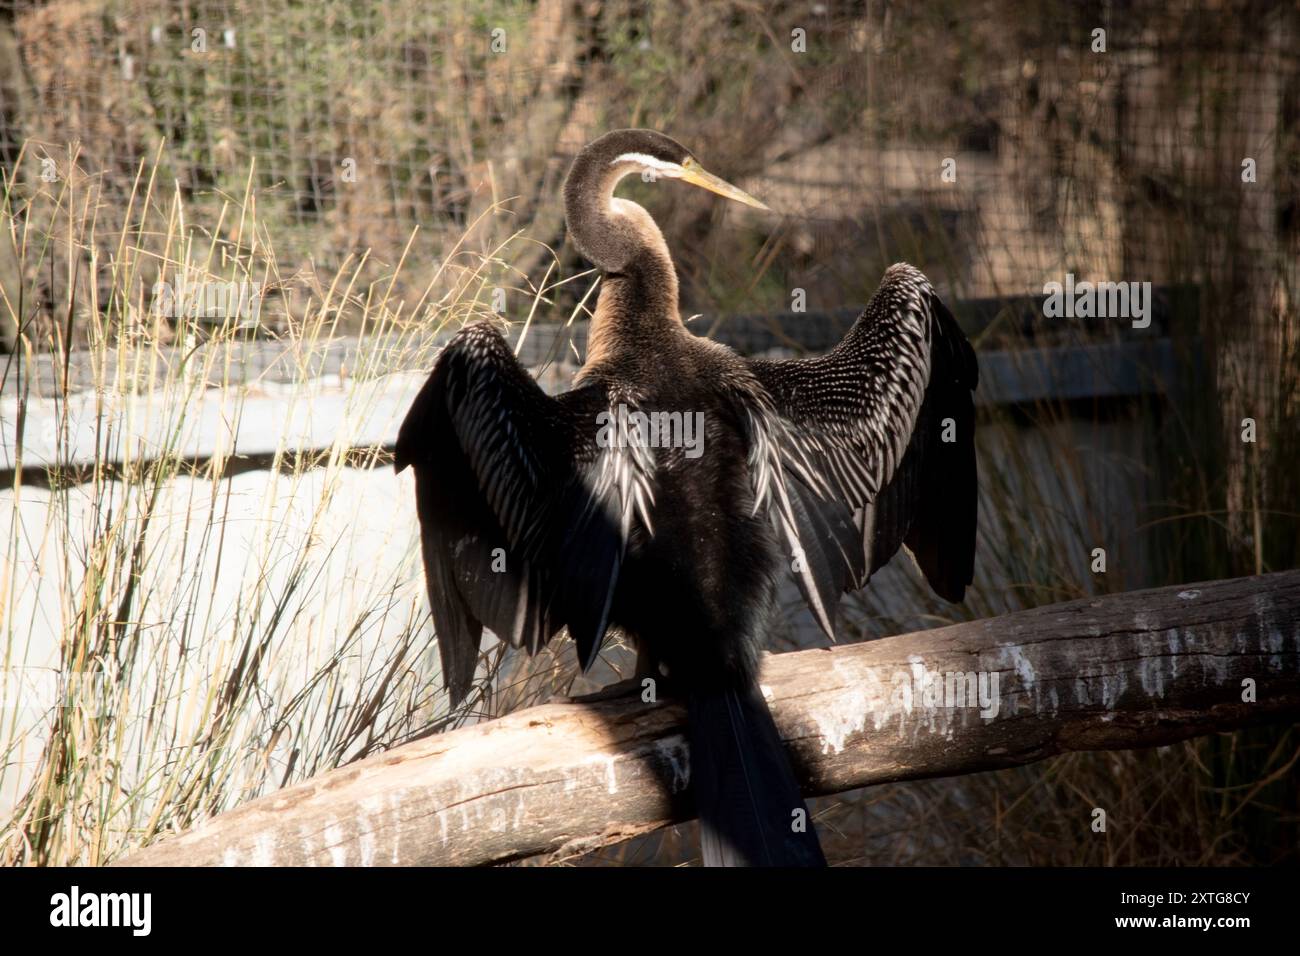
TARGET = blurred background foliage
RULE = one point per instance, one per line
(1122, 163)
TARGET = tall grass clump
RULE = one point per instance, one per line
(186, 622)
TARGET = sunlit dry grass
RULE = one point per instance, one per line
(218, 631)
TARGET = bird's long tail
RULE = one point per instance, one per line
(751, 812)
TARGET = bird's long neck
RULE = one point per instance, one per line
(638, 295)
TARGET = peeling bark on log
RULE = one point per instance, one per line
(1129, 670)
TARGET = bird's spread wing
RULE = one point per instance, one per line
(871, 446)
(524, 510)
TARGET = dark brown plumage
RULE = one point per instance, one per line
(533, 520)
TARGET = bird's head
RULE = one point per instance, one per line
(655, 156)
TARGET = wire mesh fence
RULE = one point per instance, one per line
(999, 145)
(343, 152)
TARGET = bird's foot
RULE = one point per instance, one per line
(624, 688)
(649, 688)
(647, 682)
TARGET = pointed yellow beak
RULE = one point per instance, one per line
(695, 174)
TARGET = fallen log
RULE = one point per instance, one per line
(1138, 669)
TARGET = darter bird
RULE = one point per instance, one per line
(817, 467)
